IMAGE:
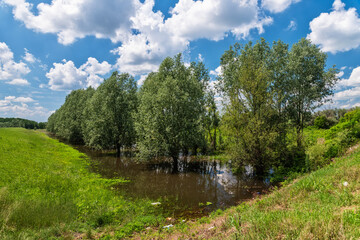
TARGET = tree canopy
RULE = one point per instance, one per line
(171, 109)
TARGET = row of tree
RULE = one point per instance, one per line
(268, 91)
(20, 122)
(165, 117)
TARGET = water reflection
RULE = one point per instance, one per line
(197, 182)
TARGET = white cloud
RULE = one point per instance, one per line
(213, 19)
(336, 31)
(29, 57)
(292, 26)
(9, 69)
(190, 20)
(23, 107)
(19, 82)
(348, 91)
(66, 76)
(141, 80)
(74, 19)
(146, 37)
(340, 74)
(353, 81)
(216, 72)
(276, 6)
(21, 99)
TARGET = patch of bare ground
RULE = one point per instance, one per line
(352, 149)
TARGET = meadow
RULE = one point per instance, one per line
(47, 192)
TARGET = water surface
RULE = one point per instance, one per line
(200, 185)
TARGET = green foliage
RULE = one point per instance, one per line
(20, 122)
(269, 91)
(310, 84)
(67, 122)
(323, 145)
(46, 191)
(323, 122)
(212, 120)
(249, 115)
(109, 114)
(171, 108)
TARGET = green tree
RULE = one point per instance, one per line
(211, 119)
(246, 82)
(110, 113)
(67, 121)
(311, 84)
(171, 108)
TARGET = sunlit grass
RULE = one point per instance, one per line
(47, 191)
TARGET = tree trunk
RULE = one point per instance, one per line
(117, 150)
(214, 140)
(175, 164)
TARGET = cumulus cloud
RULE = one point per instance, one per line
(146, 37)
(352, 81)
(23, 107)
(66, 76)
(74, 19)
(19, 82)
(216, 72)
(348, 91)
(158, 38)
(276, 6)
(10, 70)
(337, 31)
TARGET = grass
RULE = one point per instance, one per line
(47, 192)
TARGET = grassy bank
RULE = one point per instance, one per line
(46, 191)
(324, 204)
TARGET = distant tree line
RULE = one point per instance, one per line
(269, 92)
(20, 122)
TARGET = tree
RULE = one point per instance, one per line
(311, 84)
(171, 108)
(211, 119)
(67, 121)
(247, 84)
(110, 113)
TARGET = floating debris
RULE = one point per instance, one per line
(168, 226)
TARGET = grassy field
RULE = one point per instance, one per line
(47, 192)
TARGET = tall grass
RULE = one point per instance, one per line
(46, 191)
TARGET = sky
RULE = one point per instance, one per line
(50, 47)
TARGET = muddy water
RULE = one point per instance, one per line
(197, 188)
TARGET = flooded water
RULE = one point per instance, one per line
(197, 188)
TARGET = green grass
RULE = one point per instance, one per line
(46, 191)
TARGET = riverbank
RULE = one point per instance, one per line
(324, 204)
(47, 191)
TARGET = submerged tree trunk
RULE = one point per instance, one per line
(117, 150)
(175, 164)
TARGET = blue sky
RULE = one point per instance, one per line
(48, 48)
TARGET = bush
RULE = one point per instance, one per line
(323, 122)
